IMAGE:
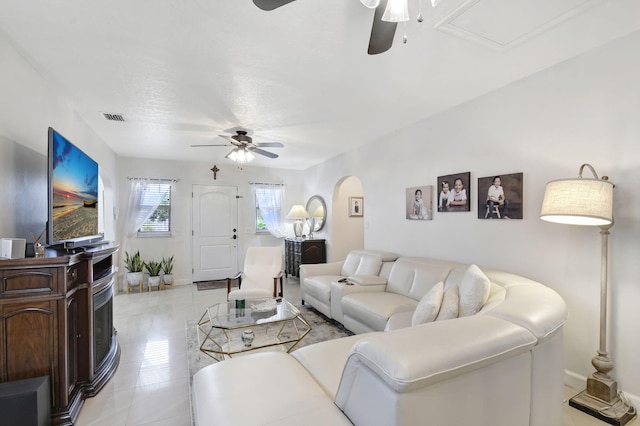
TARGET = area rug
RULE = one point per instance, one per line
(322, 328)
(215, 284)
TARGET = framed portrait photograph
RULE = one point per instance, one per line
(418, 204)
(454, 192)
(356, 206)
(500, 196)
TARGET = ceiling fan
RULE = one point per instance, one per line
(382, 32)
(244, 148)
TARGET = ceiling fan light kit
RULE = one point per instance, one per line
(240, 155)
(371, 4)
(396, 11)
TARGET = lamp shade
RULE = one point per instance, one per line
(578, 202)
(319, 212)
(297, 212)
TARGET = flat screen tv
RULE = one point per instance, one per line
(73, 195)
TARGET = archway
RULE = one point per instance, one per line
(347, 232)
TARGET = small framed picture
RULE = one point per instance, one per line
(356, 206)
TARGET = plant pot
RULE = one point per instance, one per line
(167, 279)
(153, 281)
(134, 279)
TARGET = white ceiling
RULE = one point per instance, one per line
(183, 71)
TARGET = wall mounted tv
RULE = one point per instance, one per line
(73, 195)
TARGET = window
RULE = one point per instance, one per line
(156, 195)
(261, 226)
(269, 200)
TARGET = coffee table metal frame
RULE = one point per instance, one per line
(221, 325)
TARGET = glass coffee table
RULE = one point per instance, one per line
(225, 330)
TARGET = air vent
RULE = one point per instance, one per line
(113, 117)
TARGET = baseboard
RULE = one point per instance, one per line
(579, 383)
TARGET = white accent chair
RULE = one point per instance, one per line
(260, 275)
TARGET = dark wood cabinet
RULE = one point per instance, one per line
(298, 252)
(49, 325)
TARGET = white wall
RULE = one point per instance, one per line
(582, 111)
(28, 106)
(189, 174)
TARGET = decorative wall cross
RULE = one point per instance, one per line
(215, 171)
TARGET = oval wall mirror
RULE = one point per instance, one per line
(317, 210)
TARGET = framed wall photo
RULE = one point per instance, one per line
(500, 196)
(356, 206)
(454, 192)
(418, 202)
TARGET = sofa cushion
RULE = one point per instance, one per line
(375, 308)
(325, 360)
(414, 277)
(320, 286)
(361, 262)
(449, 306)
(281, 392)
(429, 306)
(473, 291)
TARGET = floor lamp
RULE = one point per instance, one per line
(589, 201)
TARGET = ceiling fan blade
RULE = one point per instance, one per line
(382, 32)
(201, 146)
(270, 4)
(263, 152)
(270, 144)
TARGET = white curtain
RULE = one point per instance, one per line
(270, 200)
(142, 204)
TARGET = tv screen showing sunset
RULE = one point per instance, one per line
(75, 191)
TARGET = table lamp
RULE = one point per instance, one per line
(298, 213)
(589, 202)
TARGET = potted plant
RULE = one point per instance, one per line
(153, 269)
(167, 270)
(134, 265)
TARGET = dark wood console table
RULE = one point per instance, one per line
(298, 251)
(56, 320)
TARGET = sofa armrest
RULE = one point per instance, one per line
(313, 269)
(367, 280)
(449, 349)
(399, 320)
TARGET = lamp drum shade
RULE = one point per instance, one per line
(297, 212)
(578, 202)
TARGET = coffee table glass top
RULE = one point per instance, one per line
(256, 311)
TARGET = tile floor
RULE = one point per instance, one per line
(151, 385)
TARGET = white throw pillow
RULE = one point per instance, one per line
(449, 308)
(473, 291)
(429, 306)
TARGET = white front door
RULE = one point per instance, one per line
(215, 232)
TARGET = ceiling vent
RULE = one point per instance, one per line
(113, 117)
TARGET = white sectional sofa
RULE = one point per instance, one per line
(502, 365)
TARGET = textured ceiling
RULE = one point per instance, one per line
(183, 71)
